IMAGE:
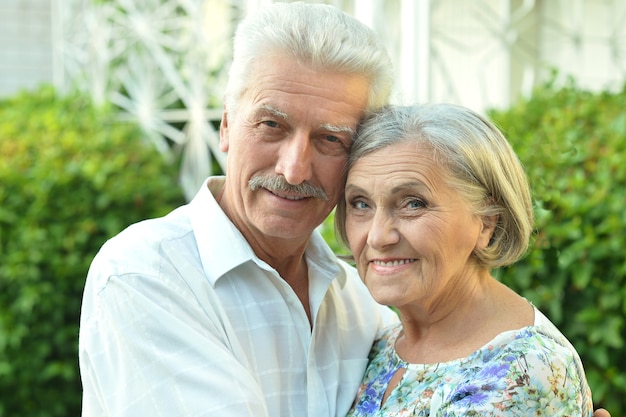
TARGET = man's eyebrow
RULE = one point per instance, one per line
(325, 126)
(338, 129)
(273, 111)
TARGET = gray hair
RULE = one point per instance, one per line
(318, 35)
(482, 166)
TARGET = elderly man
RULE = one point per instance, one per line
(233, 305)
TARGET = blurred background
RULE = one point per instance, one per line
(109, 111)
(164, 61)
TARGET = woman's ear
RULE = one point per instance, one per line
(489, 226)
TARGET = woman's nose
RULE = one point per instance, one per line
(383, 231)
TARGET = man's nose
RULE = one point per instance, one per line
(295, 159)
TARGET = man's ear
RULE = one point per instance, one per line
(224, 131)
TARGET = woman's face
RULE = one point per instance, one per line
(411, 233)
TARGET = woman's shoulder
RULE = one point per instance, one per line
(542, 337)
(541, 362)
(540, 350)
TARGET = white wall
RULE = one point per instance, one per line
(26, 57)
(479, 53)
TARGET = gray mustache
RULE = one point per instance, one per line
(279, 184)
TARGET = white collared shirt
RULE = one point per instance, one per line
(181, 318)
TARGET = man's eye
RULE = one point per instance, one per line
(332, 145)
(270, 123)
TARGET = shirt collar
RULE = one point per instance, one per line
(320, 256)
(223, 247)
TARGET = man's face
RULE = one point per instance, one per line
(293, 125)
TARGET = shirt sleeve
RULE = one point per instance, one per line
(147, 349)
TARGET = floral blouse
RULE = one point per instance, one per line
(533, 371)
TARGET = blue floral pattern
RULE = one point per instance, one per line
(533, 371)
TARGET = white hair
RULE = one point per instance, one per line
(317, 35)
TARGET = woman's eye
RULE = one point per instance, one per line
(358, 204)
(416, 203)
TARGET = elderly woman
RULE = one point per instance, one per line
(435, 199)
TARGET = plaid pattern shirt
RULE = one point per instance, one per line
(180, 318)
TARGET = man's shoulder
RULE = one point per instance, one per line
(138, 248)
(150, 232)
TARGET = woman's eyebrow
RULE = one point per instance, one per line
(412, 185)
(353, 188)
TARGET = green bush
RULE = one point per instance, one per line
(70, 177)
(573, 146)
